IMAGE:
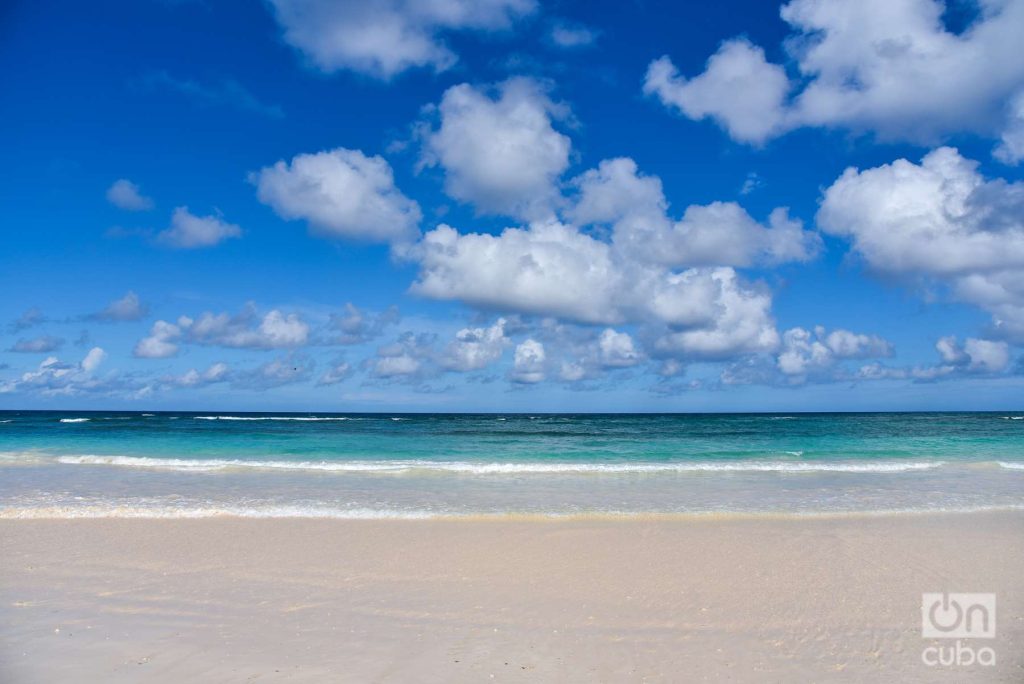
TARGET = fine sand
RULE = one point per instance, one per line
(761, 600)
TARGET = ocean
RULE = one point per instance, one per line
(65, 464)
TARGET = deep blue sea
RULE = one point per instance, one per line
(161, 464)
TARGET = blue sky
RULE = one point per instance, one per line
(512, 205)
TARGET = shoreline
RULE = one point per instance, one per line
(616, 599)
(284, 514)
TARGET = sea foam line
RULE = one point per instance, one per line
(113, 510)
(1011, 466)
(75, 420)
(463, 467)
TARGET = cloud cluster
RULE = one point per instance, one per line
(54, 377)
(887, 66)
(245, 330)
(189, 231)
(805, 353)
(975, 357)
(382, 38)
(939, 222)
(340, 193)
(499, 149)
(717, 234)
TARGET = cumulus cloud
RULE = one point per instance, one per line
(126, 195)
(717, 234)
(127, 308)
(551, 269)
(476, 348)
(1010, 149)
(528, 362)
(499, 150)
(189, 231)
(192, 378)
(55, 377)
(939, 222)
(739, 89)
(975, 357)
(37, 345)
(245, 330)
(382, 38)
(356, 326)
(161, 343)
(340, 193)
(617, 349)
(805, 353)
(887, 66)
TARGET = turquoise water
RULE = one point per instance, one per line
(61, 464)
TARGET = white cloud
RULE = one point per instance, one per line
(806, 353)
(127, 308)
(37, 345)
(572, 36)
(338, 372)
(737, 320)
(1011, 145)
(341, 193)
(126, 195)
(160, 343)
(246, 330)
(976, 356)
(394, 366)
(887, 66)
(986, 356)
(355, 326)
(192, 378)
(54, 377)
(501, 153)
(617, 349)
(274, 330)
(739, 89)
(475, 348)
(382, 38)
(528, 362)
(189, 231)
(939, 221)
(551, 269)
(717, 234)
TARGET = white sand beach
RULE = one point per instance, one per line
(635, 599)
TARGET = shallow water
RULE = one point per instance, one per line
(65, 464)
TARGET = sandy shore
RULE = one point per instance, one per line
(215, 600)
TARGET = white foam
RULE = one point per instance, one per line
(174, 512)
(1013, 417)
(5, 421)
(520, 468)
(75, 420)
(151, 511)
(1011, 466)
